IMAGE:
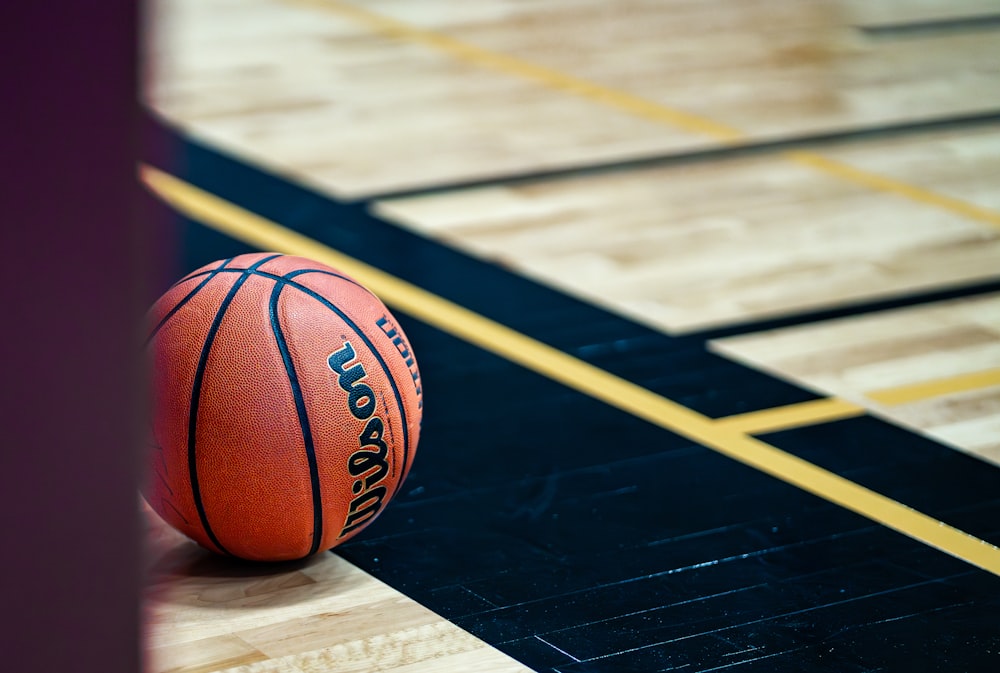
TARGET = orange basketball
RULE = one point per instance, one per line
(286, 407)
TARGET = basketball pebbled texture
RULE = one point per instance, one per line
(286, 407)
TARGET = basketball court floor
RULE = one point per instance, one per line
(706, 302)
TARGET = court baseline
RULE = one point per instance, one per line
(557, 365)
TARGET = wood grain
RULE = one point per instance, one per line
(442, 92)
(854, 357)
(316, 94)
(207, 613)
(689, 247)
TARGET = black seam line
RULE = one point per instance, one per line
(195, 274)
(300, 409)
(371, 347)
(209, 276)
(675, 427)
(196, 397)
(845, 311)
(286, 280)
(330, 206)
(917, 29)
(275, 276)
(738, 150)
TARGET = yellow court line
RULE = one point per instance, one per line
(882, 183)
(462, 51)
(581, 376)
(924, 390)
(644, 108)
(791, 416)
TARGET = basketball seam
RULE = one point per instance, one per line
(371, 347)
(196, 397)
(299, 400)
(276, 277)
(195, 274)
(303, 415)
(190, 295)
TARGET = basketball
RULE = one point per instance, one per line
(286, 407)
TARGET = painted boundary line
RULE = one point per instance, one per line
(725, 152)
(791, 416)
(830, 409)
(915, 392)
(520, 349)
(643, 108)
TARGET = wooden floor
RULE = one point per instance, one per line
(935, 368)
(809, 189)
(320, 615)
(690, 247)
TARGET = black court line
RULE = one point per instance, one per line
(847, 310)
(732, 151)
(231, 178)
(918, 29)
(626, 548)
(578, 538)
(156, 126)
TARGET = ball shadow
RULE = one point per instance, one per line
(183, 573)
